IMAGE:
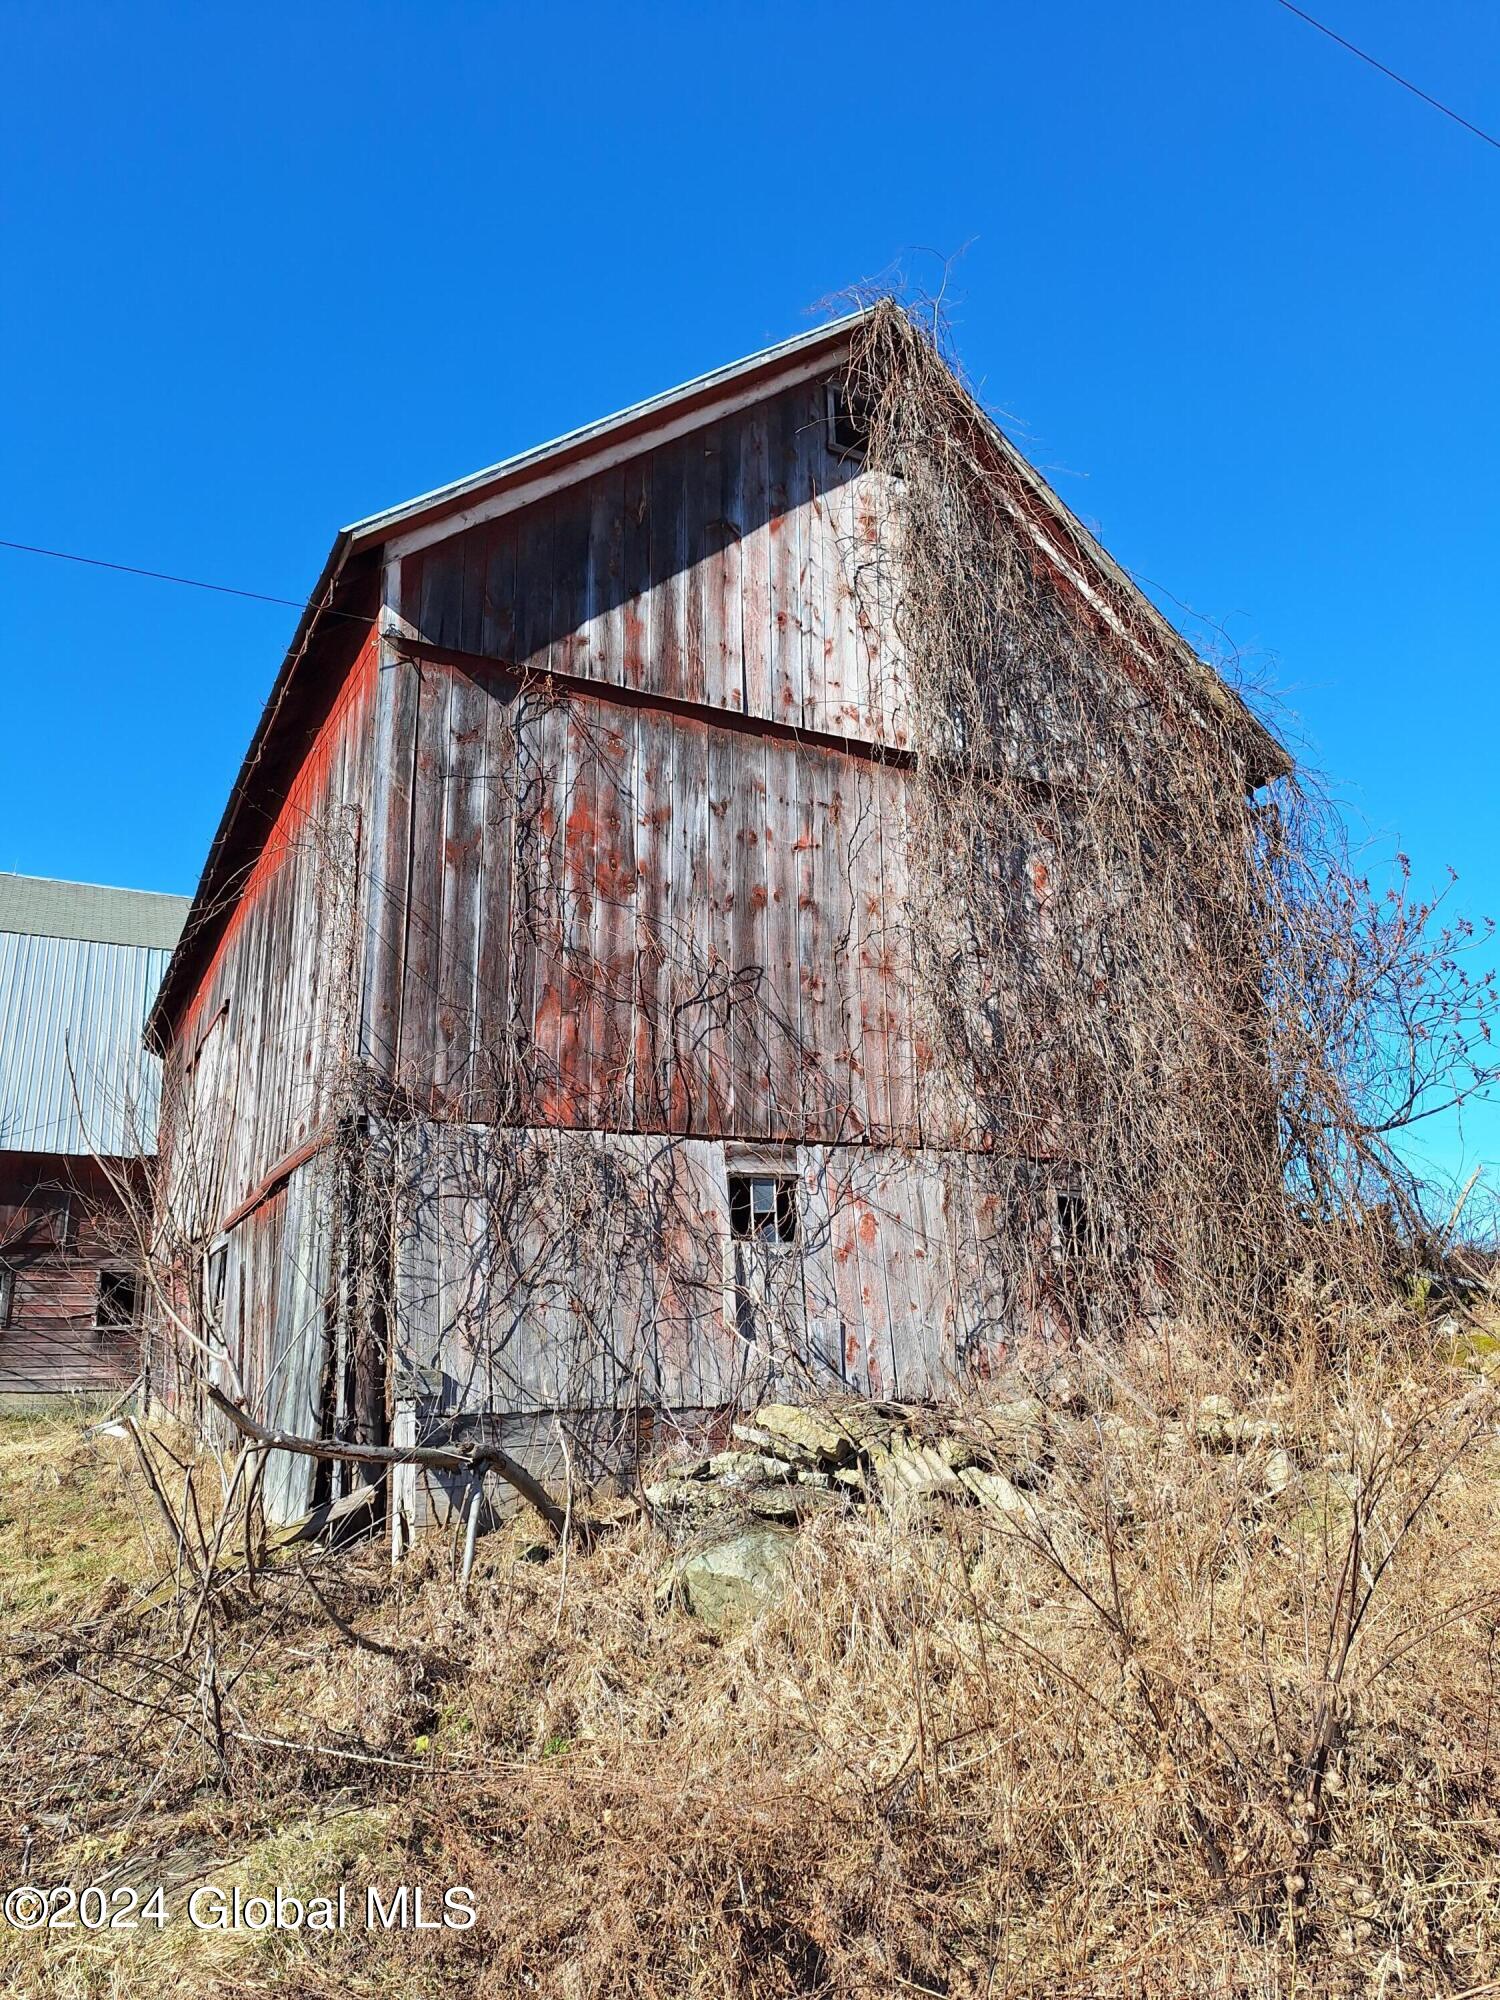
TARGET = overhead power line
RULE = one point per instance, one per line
(157, 575)
(1394, 75)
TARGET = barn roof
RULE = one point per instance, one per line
(79, 968)
(347, 591)
(36, 906)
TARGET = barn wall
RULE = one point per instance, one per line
(625, 781)
(276, 1324)
(718, 568)
(645, 898)
(544, 1270)
(60, 1225)
(623, 918)
(249, 1057)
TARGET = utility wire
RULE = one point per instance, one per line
(190, 582)
(158, 575)
(1394, 75)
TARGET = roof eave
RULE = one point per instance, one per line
(205, 909)
(1266, 759)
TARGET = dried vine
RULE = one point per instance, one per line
(1147, 986)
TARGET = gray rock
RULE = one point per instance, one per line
(814, 1438)
(794, 1502)
(1224, 1428)
(909, 1466)
(730, 1580)
(747, 1468)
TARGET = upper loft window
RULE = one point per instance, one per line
(206, 1038)
(762, 1208)
(848, 421)
(1077, 1226)
(118, 1303)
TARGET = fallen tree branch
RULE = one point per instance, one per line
(436, 1458)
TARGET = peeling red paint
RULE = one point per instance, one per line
(305, 802)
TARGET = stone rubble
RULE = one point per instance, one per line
(732, 1515)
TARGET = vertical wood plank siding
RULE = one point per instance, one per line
(611, 927)
(247, 1059)
(248, 1062)
(719, 568)
(276, 1322)
(884, 1292)
(625, 916)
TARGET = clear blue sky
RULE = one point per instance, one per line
(268, 269)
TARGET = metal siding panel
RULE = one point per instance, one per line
(74, 1076)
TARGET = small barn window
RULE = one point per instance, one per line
(848, 421)
(118, 1301)
(220, 1015)
(1077, 1237)
(762, 1208)
(215, 1271)
(7, 1293)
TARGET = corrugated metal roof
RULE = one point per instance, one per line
(36, 906)
(79, 969)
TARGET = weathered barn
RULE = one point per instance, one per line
(79, 969)
(543, 1043)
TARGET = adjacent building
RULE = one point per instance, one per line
(79, 969)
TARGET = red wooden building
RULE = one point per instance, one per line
(541, 1039)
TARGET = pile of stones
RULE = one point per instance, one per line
(733, 1515)
(788, 1462)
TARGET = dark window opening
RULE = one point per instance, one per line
(762, 1208)
(7, 1293)
(221, 1015)
(1075, 1225)
(215, 1270)
(118, 1299)
(848, 421)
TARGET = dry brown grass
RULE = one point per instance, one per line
(1217, 1718)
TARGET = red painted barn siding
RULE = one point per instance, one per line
(631, 772)
(61, 1224)
(630, 920)
(720, 567)
(247, 1053)
(621, 912)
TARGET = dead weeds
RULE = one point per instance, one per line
(1213, 1714)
